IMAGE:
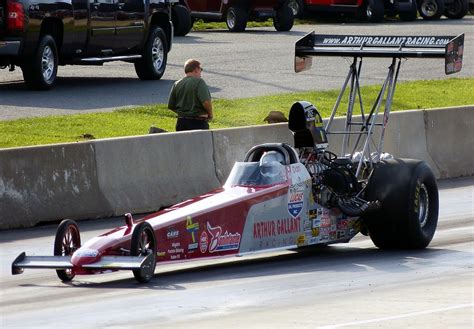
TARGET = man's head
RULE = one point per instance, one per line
(192, 67)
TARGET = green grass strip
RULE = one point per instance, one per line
(228, 113)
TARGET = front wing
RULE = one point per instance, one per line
(64, 262)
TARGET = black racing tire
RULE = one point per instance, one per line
(152, 65)
(284, 19)
(236, 19)
(181, 19)
(457, 9)
(374, 11)
(143, 243)
(431, 9)
(66, 242)
(409, 200)
(297, 7)
(41, 68)
(410, 14)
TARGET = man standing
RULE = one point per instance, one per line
(190, 99)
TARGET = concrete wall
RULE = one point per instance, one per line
(139, 174)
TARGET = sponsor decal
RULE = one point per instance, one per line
(172, 233)
(222, 241)
(175, 251)
(314, 240)
(203, 242)
(276, 227)
(307, 225)
(341, 234)
(300, 240)
(160, 254)
(342, 224)
(332, 235)
(193, 246)
(315, 231)
(192, 228)
(313, 214)
(316, 222)
(294, 208)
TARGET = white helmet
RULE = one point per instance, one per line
(271, 163)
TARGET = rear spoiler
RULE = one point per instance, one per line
(448, 47)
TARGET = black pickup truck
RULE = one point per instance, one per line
(39, 35)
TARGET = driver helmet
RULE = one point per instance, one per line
(271, 163)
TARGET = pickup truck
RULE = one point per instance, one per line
(39, 35)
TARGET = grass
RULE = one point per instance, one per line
(228, 113)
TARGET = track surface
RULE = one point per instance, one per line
(350, 285)
(258, 62)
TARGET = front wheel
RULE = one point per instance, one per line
(66, 242)
(39, 70)
(144, 244)
(236, 19)
(284, 18)
(457, 9)
(152, 65)
(408, 195)
(431, 9)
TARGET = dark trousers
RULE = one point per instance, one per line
(191, 124)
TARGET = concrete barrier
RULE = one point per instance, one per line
(49, 182)
(144, 173)
(139, 174)
(450, 140)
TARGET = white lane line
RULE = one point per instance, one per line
(396, 316)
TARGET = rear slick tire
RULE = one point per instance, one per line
(143, 243)
(409, 200)
(66, 242)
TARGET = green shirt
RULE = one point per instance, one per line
(187, 96)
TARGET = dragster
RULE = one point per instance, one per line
(282, 196)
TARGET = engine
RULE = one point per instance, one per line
(334, 180)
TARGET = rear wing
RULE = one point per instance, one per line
(448, 47)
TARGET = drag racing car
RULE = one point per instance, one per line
(282, 196)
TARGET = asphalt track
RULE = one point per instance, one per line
(258, 62)
(350, 285)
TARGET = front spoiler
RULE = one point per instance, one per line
(64, 262)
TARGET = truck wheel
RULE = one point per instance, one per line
(457, 9)
(408, 194)
(66, 242)
(283, 20)
(181, 20)
(409, 15)
(236, 19)
(374, 11)
(431, 9)
(297, 7)
(39, 70)
(143, 244)
(152, 65)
